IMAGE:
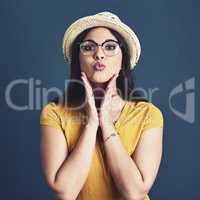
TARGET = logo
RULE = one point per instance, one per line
(187, 90)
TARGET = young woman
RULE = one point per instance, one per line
(101, 140)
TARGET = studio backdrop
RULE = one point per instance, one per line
(33, 71)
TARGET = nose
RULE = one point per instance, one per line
(99, 54)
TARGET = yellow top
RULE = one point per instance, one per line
(133, 120)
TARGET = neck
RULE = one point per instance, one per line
(99, 90)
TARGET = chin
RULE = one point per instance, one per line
(99, 79)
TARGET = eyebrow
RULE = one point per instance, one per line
(102, 42)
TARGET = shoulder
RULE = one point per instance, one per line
(53, 114)
(154, 117)
(148, 112)
(53, 107)
(144, 105)
(49, 106)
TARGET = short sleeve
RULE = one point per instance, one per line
(154, 118)
(49, 116)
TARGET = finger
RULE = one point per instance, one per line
(112, 80)
(89, 92)
(84, 75)
(109, 92)
(107, 100)
(86, 82)
(108, 95)
(110, 88)
(88, 85)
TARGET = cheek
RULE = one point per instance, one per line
(83, 62)
(117, 62)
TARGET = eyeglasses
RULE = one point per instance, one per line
(89, 47)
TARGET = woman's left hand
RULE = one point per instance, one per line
(105, 117)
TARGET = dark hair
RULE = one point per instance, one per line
(75, 93)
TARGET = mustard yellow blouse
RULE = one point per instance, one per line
(134, 119)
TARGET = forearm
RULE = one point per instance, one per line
(124, 171)
(74, 171)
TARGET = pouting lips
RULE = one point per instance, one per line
(99, 66)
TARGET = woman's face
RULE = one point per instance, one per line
(112, 63)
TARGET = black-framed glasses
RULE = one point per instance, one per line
(89, 47)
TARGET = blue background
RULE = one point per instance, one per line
(31, 47)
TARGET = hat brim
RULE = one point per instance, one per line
(88, 22)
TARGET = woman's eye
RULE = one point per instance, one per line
(87, 48)
(110, 47)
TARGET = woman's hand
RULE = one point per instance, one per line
(92, 115)
(105, 117)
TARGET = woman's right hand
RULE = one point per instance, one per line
(92, 114)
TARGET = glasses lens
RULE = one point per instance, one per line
(111, 48)
(88, 47)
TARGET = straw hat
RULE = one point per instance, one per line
(106, 19)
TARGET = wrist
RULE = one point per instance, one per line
(107, 127)
(109, 137)
(92, 122)
(92, 125)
